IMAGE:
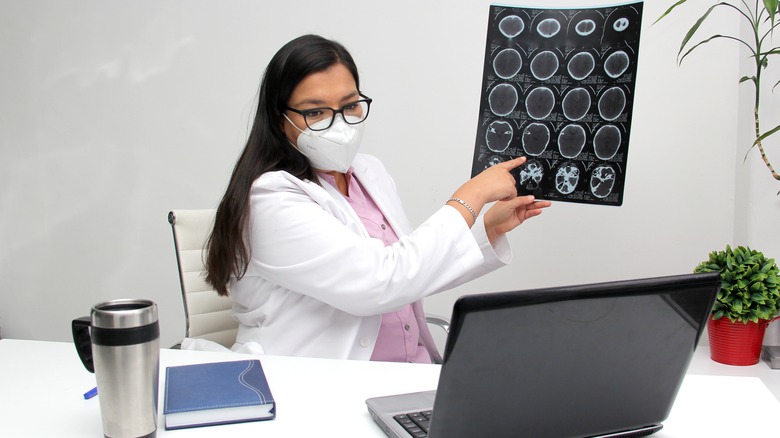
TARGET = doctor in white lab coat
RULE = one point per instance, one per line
(306, 276)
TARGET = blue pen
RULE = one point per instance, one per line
(91, 393)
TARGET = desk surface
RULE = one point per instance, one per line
(43, 383)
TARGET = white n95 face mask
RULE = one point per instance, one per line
(332, 149)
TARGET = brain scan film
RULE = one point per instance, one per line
(511, 26)
(544, 65)
(576, 104)
(566, 178)
(507, 63)
(616, 64)
(536, 137)
(585, 27)
(499, 135)
(558, 88)
(606, 142)
(493, 160)
(612, 103)
(581, 65)
(548, 28)
(539, 103)
(602, 181)
(571, 141)
(503, 99)
(531, 174)
(620, 24)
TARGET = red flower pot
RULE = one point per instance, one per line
(735, 343)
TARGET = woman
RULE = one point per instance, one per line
(311, 238)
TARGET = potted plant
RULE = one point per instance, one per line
(760, 15)
(747, 302)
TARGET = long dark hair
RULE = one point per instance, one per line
(266, 149)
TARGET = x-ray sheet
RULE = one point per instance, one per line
(558, 88)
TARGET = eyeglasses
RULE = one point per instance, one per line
(320, 119)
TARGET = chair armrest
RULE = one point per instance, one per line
(438, 321)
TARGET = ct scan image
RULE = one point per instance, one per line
(558, 88)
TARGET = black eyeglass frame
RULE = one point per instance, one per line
(336, 112)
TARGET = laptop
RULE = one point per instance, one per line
(602, 360)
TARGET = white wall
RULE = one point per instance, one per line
(113, 113)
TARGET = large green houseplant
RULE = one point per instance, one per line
(747, 302)
(761, 17)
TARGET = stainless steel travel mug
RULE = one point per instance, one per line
(120, 343)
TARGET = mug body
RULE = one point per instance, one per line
(126, 354)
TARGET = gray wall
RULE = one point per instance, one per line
(113, 113)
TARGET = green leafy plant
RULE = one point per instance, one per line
(761, 17)
(750, 286)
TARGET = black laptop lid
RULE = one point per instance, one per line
(570, 361)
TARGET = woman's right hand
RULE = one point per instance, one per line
(495, 183)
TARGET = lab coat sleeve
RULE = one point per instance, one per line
(496, 254)
(303, 245)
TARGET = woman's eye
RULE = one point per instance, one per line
(351, 106)
(312, 113)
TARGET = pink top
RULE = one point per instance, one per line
(399, 334)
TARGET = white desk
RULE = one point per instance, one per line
(702, 364)
(41, 387)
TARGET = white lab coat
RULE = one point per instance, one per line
(317, 283)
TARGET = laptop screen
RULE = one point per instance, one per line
(570, 361)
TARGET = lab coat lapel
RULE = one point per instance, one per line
(379, 192)
(345, 211)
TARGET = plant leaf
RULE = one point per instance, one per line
(750, 287)
(694, 28)
(771, 8)
(774, 51)
(717, 36)
(765, 135)
(758, 298)
(668, 11)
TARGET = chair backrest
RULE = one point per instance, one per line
(208, 315)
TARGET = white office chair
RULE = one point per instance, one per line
(208, 315)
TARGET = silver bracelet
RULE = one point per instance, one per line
(463, 203)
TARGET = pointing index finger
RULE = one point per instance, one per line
(511, 164)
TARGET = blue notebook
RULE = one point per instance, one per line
(216, 393)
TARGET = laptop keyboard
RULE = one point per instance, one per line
(416, 423)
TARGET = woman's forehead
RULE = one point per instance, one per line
(335, 84)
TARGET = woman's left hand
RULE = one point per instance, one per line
(505, 216)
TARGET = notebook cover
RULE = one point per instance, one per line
(217, 393)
